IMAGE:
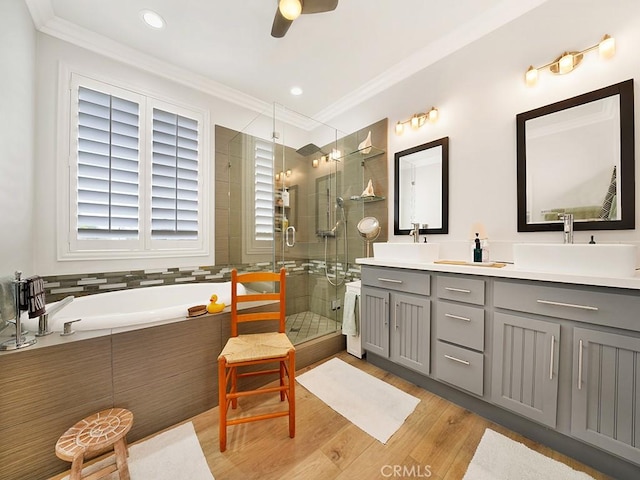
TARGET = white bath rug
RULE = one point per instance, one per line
(500, 458)
(371, 404)
(173, 455)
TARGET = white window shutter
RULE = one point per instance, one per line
(263, 190)
(108, 166)
(174, 180)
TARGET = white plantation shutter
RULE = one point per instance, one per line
(137, 167)
(263, 190)
(108, 166)
(174, 179)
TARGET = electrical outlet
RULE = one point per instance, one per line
(335, 304)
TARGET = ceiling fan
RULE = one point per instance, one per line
(289, 10)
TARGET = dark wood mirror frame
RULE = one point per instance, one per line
(444, 143)
(626, 175)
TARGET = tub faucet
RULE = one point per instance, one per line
(567, 227)
(415, 232)
(43, 320)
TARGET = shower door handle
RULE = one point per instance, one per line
(290, 239)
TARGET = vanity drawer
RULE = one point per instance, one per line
(460, 367)
(408, 281)
(460, 324)
(460, 289)
(591, 306)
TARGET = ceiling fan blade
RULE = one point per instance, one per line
(318, 6)
(280, 25)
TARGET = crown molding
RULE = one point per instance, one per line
(45, 21)
(462, 36)
(41, 11)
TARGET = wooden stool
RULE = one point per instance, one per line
(93, 436)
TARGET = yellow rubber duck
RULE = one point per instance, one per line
(214, 307)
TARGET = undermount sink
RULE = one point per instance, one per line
(603, 260)
(406, 252)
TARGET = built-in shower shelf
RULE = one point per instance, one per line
(373, 152)
(373, 198)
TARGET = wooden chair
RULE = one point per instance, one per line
(249, 350)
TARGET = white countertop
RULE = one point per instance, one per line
(509, 271)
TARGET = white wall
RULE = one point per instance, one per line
(17, 60)
(480, 89)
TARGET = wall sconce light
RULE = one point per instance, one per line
(314, 162)
(278, 176)
(418, 120)
(288, 172)
(568, 61)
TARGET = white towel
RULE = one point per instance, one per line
(349, 323)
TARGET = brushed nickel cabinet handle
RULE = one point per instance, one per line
(457, 317)
(569, 305)
(457, 360)
(390, 280)
(395, 315)
(459, 290)
(553, 345)
(580, 366)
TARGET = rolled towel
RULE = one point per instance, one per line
(34, 288)
(349, 326)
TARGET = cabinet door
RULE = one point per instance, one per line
(606, 391)
(525, 366)
(410, 331)
(375, 320)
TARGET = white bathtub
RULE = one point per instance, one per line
(136, 306)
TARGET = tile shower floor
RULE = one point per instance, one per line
(304, 326)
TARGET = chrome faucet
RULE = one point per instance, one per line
(43, 320)
(415, 232)
(567, 227)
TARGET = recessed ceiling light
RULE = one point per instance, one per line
(152, 19)
(296, 91)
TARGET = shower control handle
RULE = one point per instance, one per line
(290, 236)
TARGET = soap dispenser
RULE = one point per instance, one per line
(477, 251)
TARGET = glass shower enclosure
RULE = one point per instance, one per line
(294, 196)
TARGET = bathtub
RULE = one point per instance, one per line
(136, 306)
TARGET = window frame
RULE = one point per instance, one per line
(72, 248)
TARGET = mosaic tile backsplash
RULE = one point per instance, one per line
(59, 286)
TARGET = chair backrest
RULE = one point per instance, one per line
(278, 313)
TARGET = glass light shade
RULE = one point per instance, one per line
(607, 47)
(415, 122)
(399, 128)
(565, 64)
(314, 163)
(433, 114)
(152, 19)
(531, 77)
(290, 9)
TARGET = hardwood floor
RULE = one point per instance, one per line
(437, 441)
(439, 438)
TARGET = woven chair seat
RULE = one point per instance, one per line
(256, 346)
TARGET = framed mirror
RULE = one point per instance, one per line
(422, 188)
(577, 156)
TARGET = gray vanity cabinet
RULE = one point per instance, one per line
(396, 316)
(525, 366)
(375, 320)
(460, 326)
(606, 391)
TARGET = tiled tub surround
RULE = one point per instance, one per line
(164, 374)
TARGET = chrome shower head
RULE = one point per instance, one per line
(340, 202)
